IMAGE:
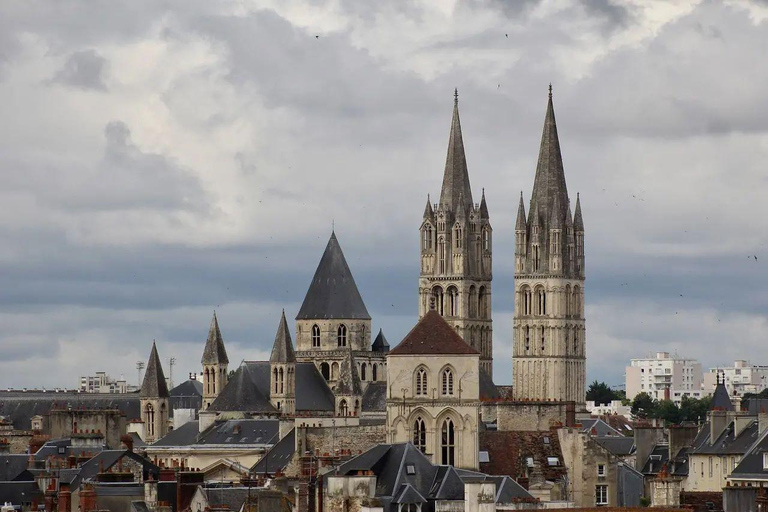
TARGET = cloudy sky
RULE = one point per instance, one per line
(164, 159)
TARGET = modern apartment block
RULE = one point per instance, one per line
(740, 378)
(103, 383)
(665, 376)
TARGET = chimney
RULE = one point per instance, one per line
(50, 497)
(65, 498)
(88, 499)
(127, 441)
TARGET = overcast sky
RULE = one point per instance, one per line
(164, 159)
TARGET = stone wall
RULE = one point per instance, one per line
(665, 492)
(330, 440)
(533, 416)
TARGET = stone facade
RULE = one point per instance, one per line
(456, 254)
(533, 416)
(549, 347)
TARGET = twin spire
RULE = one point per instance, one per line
(456, 193)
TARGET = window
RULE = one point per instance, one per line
(553, 461)
(601, 495)
(341, 335)
(437, 296)
(486, 239)
(543, 338)
(453, 301)
(362, 371)
(484, 457)
(427, 243)
(149, 419)
(527, 299)
(315, 336)
(448, 443)
(420, 435)
(410, 469)
(447, 383)
(527, 332)
(601, 470)
(421, 382)
(765, 460)
(325, 370)
(374, 372)
(442, 255)
(343, 408)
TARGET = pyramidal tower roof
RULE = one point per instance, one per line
(214, 352)
(549, 182)
(282, 350)
(456, 187)
(333, 292)
(154, 385)
(720, 399)
(578, 222)
(380, 344)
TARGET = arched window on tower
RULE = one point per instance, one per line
(576, 302)
(274, 379)
(472, 302)
(540, 297)
(527, 334)
(527, 299)
(325, 371)
(576, 341)
(543, 338)
(482, 303)
(421, 382)
(420, 434)
(315, 336)
(281, 378)
(374, 372)
(447, 382)
(457, 236)
(427, 238)
(363, 369)
(448, 443)
(341, 335)
(437, 296)
(486, 239)
(453, 301)
(567, 300)
(343, 408)
(149, 413)
(334, 371)
(442, 255)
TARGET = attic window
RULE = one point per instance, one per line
(529, 462)
(484, 457)
(546, 439)
(410, 469)
(655, 457)
(62, 449)
(765, 460)
(553, 461)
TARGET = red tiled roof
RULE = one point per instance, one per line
(508, 451)
(432, 335)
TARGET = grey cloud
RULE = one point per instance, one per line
(614, 14)
(84, 69)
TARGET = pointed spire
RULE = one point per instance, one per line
(556, 216)
(456, 176)
(461, 210)
(214, 352)
(520, 225)
(549, 182)
(154, 385)
(333, 292)
(282, 350)
(568, 217)
(349, 381)
(380, 344)
(428, 211)
(483, 207)
(578, 222)
(534, 217)
(720, 399)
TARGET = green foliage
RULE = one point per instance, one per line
(645, 501)
(644, 406)
(690, 409)
(601, 393)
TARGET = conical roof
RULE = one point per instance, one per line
(333, 292)
(578, 222)
(549, 182)
(349, 381)
(214, 352)
(456, 176)
(520, 225)
(428, 211)
(282, 350)
(154, 385)
(380, 344)
(720, 399)
(483, 207)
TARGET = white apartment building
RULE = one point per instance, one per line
(664, 376)
(103, 383)
(740, 378)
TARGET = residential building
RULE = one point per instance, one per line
(740, 378)
(103, 383)
(664, 376)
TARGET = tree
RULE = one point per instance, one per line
(694, 409)
(601, 393)
(644, 406)
(668, 411)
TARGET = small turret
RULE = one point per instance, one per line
(215, 363)
(153, 399)
(282, 362)
(483, 207)
(521, 224)
(429, 213)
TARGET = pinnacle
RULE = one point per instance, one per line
(154, 385)
(214, 352)
(456, 175)
(520, 225)
(282, 350)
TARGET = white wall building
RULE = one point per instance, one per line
(740, 378)
(664, 376)
(103, 383)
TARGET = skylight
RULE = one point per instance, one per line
(410, 469)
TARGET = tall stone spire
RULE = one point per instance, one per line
(549, 182)
(456, 176)
(154, 384)
(520, 225)
(214, 352)
(578, 222)
(428, 211)
(483, 207)
(282, 350)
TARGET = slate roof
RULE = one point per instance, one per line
(456, 193)
(282, 349)
(185, 435)
(250, 388)
(14, 467)
(520, 224)
(507, 490)
(17, 493)
(187, 395)
(348, 382)
(598, 427)
(720, 399)
(18, 406)
(433, 335)
(751, 464)
(488, 389)
(241, 432)
(154, 384)
(619, 446)
(214, 352)
(380, 344)
(726, 443)
(656, 460)
(278, 456)
(231, 498)
(108, 458)
(375, 397)
(333, 292)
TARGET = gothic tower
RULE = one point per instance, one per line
(154, 399)
(214, 363)
(549, 347)
(282, 363)
(456, 253)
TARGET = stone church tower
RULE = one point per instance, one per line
(549, 348)
(215, 362)
(282, 365)
(456, 253)
(154, 399)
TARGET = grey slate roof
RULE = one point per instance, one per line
(154, 384)
(282, 349)
(619, 446)
(488, 389)
(349, 381)
(380, 344)
(333, 292)
(483, 207)
(14, 467)
(241, 394)
(601, 428)
(520, 224)
(241, 432)
(18, 406)
(751, 464)
(17, 493)
(456, 192)
(187, 395)
(278, 456)
(375, 397)
(720, 399)
(214, 352)
(656, 460)
(726, 443)
(185, 435)
(231, 498)
(108, 458)
(407, 494)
